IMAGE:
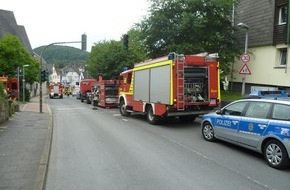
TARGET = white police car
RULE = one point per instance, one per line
(262, 125)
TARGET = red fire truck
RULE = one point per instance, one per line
(170, 86)
(108, 92)
(85, 89)
(11, 86)
(56, 90)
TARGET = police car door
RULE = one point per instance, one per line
(279, 125)
(255, 122)
(227, 123)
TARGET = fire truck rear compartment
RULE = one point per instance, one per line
(195, 84)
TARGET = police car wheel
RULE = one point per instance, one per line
(276, 155)
(208, 132)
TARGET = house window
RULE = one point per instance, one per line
(283, 56)
(282, 15)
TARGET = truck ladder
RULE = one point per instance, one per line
(180, 83)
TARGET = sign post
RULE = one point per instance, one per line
(245, 58)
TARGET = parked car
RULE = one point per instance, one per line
(76, 92)
(262, 125)
(78, 95)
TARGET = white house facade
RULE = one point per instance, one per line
(268, 43)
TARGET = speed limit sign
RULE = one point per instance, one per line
(245, 57)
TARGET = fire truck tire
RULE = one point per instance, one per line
(123, 109)
(151, 118)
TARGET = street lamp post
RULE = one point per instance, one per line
(244, 26)
(40, 69)
(23, 80)
(18, 84)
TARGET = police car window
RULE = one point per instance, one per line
(281, 112)
(235, 109)
(258, 110)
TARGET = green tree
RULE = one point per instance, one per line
(189, 27)
(109, 58)
(13, 55)
(32, 71)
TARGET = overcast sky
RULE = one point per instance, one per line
(49, 21)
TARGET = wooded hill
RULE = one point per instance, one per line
(62, 56)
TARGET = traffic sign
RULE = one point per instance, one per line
(245, 70)
(245, 57)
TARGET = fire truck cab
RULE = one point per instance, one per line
(85, 89)
(56, 90)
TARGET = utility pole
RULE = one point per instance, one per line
(84, 43)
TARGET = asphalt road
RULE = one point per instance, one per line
(100, 149)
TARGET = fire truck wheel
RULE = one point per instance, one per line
(151, 118)
(123, 109)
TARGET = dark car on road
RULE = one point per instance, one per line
(262, 125)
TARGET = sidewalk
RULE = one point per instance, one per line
(25, 146)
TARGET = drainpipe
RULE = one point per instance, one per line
(233, 24)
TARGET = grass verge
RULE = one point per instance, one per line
(230, 96)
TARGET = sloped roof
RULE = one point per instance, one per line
(8, 25)
(72, 68)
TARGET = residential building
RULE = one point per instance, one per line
(71, 77)
(8, 25)
(268, 43)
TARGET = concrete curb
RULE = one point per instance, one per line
(42, 170)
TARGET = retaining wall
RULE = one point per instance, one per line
(4, 111)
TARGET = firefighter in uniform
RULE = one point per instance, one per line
(96, 98)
